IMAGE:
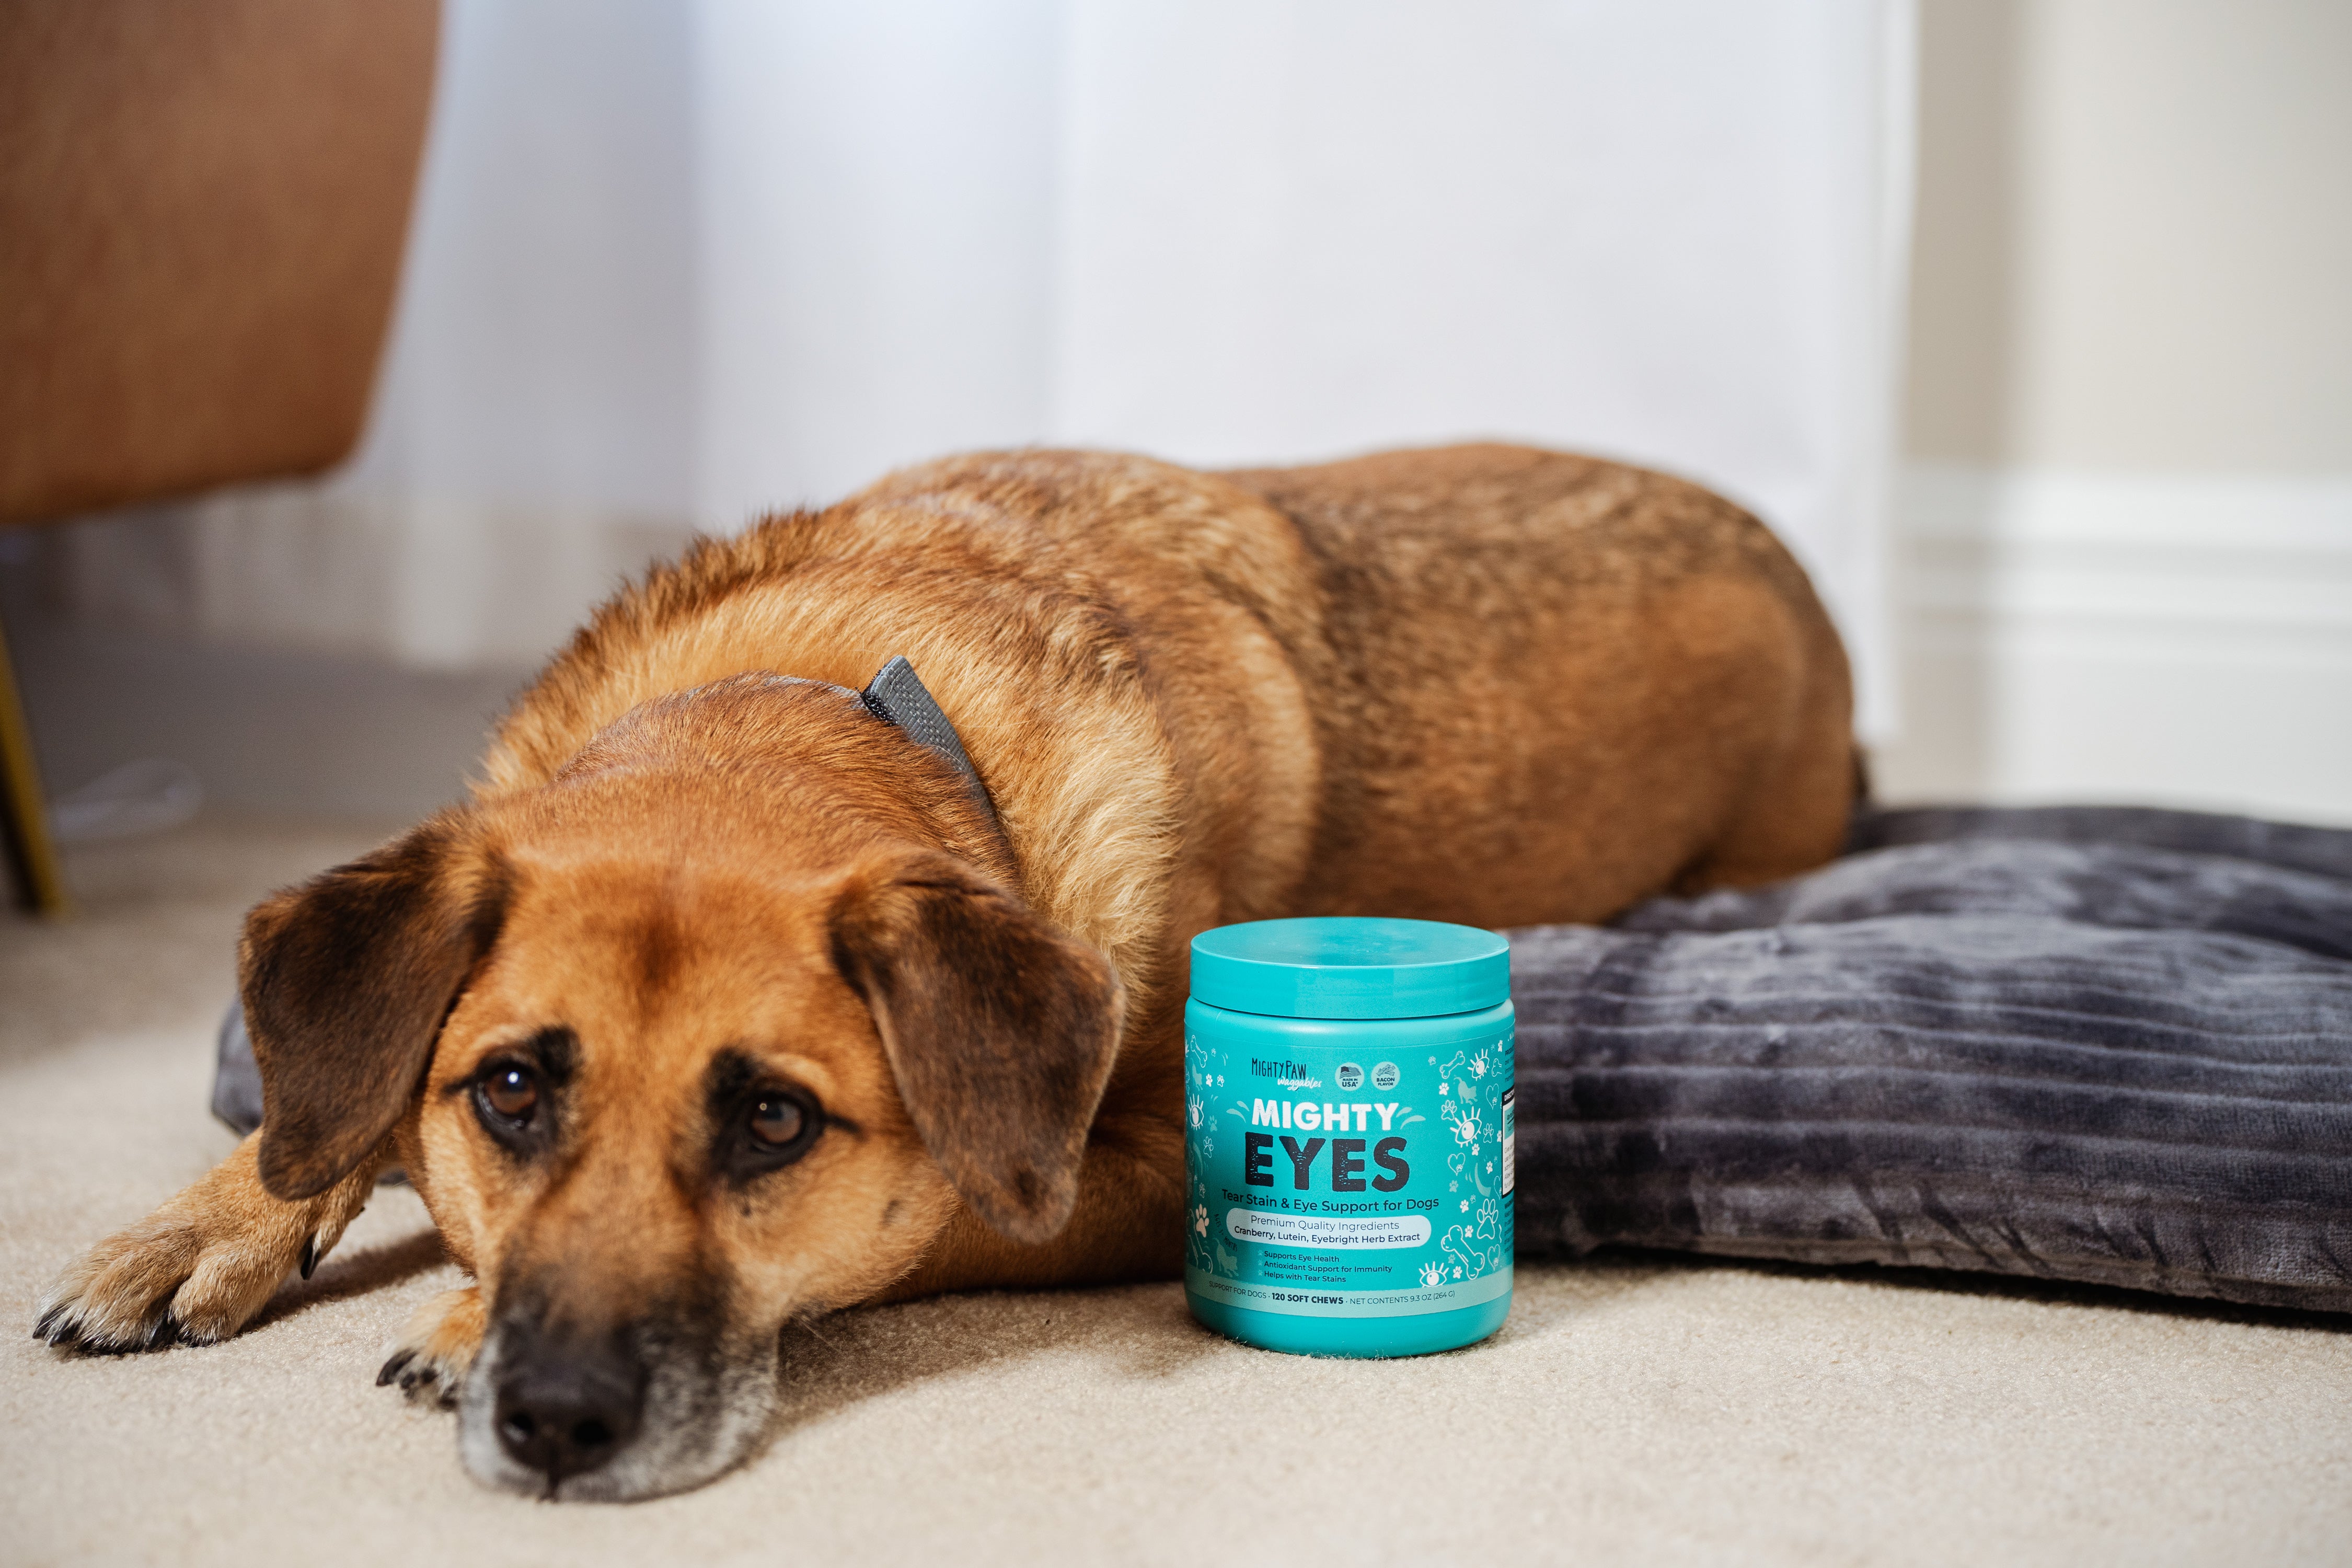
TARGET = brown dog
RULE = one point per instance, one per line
(724, 1003)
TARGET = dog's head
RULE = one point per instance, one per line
(714, 1031)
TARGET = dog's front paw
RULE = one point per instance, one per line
(196, 1269)
(437, 1348)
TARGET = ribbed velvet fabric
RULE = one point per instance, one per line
(2108, 1045)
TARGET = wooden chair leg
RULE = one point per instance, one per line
(23, 810)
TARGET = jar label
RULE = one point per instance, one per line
(1339, 1182)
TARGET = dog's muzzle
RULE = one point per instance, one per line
(566, 1404)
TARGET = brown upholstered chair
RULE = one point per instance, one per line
(202, 206)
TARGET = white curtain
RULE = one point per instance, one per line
(675, 265)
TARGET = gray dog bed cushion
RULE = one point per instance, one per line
(2112, 1047)
(2095, 1045)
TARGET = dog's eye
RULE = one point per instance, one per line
(512, 1092)
(772, 1128)
(777, 1121)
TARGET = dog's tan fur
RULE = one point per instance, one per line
(1483, 684)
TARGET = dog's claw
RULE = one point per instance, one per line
(435, 1350)
(309, 1257)
(158, 1335)
(67, 1325)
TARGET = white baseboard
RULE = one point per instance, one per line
(2167, 639)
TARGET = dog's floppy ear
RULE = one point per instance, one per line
(346, 981)
(1000, 1030)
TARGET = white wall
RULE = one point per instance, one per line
(2124, 550)
(875, 210)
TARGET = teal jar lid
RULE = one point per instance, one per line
(1343, 966)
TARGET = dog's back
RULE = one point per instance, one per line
(1557, 685)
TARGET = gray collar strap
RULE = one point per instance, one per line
(898, 696)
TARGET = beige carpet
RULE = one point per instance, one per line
(1630, 1412)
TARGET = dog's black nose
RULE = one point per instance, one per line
(566, 1404)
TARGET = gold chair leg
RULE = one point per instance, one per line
(23, 811)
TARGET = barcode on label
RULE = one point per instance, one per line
(1510, 1139)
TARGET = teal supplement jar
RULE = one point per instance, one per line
(1348, 1135)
